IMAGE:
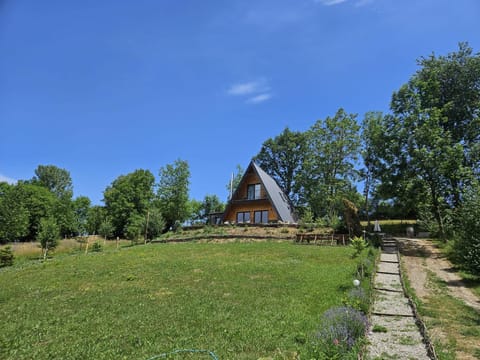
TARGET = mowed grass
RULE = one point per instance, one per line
(239, 300)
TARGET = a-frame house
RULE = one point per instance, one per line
(258, 200)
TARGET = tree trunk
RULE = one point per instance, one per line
(45, 252)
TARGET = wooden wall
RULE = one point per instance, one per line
(255, 205)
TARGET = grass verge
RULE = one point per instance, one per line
(452, 326)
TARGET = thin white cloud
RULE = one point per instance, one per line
(255, 92)
(6, 179)
(248, 88)
(259, 98)
(330, 2)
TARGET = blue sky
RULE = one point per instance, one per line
(102, 88)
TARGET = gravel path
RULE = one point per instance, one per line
(394, 333)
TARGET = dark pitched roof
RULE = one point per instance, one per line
(277, 197)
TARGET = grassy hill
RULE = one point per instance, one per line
(240, 300)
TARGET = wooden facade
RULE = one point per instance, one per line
(252, 201)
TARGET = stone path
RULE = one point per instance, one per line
(394, 333)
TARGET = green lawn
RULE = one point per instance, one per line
(239, 300)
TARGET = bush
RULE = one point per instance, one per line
(375, 240)
(340, 334)
(357, 299)
(48, 235)
(364, 268)
(6, 257)
(96, 247)
(467, 244)
(358, 244)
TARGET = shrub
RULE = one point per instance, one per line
(48, 235)
(357, 299)
(96, 247)
(340, 334)
(375, 240)
(6, 257)
(358, 244)
(364, 267)
(467, 244)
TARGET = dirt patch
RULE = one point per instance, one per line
(420, 255)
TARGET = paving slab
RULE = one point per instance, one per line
(389, 257)
(391, 304)
(389, 267)
(388, 282)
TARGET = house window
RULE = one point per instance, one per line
(261, 217)
(253, 192)
(243, 217)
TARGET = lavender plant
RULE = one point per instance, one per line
(341, 330)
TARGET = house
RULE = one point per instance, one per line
(258, 200)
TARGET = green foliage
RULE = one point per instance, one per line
(426, 153)
(282, 157)
(96, 247)
(375, 240)
(358, 299)
(106, 228)
(329, 166)
(358, 244)
(14, 216)
(95, 216)
(81, 207)
(156, 223)
(129, 196)
(135, 227)
(467, 245)
(55, 179)
(430, 222)
(371, 135)
(352, 221)
(6, 257)
(200, 211)
(39, 202)
(48, 235)
(235, 181)
(172, 192)
(306, 221)
(379, 329)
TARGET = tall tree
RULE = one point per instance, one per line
(59, 182)
(48, 235)
(55, 179)
(202, 209)
(95, 216)
(435, 130)
(282, 158)
(329, 166)
(128, 198)
(40, 203)
(81, 207)
(173, 191)
(14, 215)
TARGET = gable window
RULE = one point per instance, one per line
(253, 191)
(243, 217)
(261, 217)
